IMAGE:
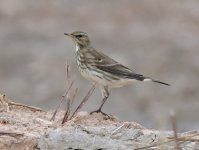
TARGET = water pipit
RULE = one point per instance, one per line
(101, 69)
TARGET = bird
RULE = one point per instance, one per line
(101, 69)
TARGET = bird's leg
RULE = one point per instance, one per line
(100, 108)
(105, 95)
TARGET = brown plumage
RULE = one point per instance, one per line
(101, 69)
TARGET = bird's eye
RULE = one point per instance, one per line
(79, 36)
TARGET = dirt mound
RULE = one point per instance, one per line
(26, 127)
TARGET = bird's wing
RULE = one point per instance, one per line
(98, 58)
(109, 65)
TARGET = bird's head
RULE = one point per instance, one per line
(81, 39)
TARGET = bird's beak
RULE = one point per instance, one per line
(68, 34)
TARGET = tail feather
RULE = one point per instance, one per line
(144, 78)
(150, 79)
(161, 82)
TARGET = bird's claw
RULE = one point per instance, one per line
(99, 111)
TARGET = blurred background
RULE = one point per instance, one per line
(157, 38)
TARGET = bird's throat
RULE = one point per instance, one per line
(79, 47)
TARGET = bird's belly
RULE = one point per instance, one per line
(99, 79)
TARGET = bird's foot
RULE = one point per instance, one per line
(99, 111)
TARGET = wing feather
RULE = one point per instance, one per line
(109, 65)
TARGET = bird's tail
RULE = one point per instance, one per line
(140, 77)
(150, 79)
